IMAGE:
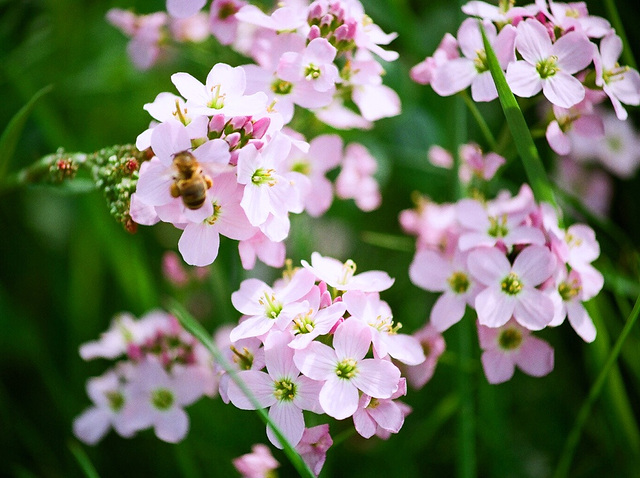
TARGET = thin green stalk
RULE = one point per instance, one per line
(196, 329)
(574, 436)
(482, 124)
(519, 130)
(467, 423)
(83, 460)
(616, 22)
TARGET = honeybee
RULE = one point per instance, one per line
(190, 182)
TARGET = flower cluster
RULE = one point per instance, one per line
(550, 47)
(508, 260)
(223, 161)
(321, 340)
(162, 370)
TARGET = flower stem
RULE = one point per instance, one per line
(616, 22)
(484, 128)
(196, 329)
(574, 436)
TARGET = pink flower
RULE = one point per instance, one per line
(505, 12)
(109, 397)
(432, 271)
(283, 19)
(567, 297)
(343, 277)
(222, 93)
(620, 83)
(373, 99)
(267, 307)
(472, 69)
(511, 345)
(548, 67)
(374, 413)
(511, 290)
(356, 178)
(257, 464)
(223, 21)
(386, 340)
(184, 8)
(260, 246)
(345, 370)
(145, 32)
(433, 346)
(574, 16)
(157, 398)
(424, 71)
(282, 389)
(314, 64)
(574, 119)
(313, 447)
(594, 186)
(475, 164)
(199, 242)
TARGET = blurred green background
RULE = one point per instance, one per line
(66, 268)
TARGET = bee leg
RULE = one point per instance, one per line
(175, 190)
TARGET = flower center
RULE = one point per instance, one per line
(511, 284)
(217, 102)
(264, 176)
(385, 324)
(272, 307)
(348, 269)
(510, 339)
(480, 62)
(614, 143)
(615, 74)
(568, 291)
(374, 403)
(211, 220)
(347, 369)
(312, 72)
(281, 87)
(498, 226)
(162, 398)
(226, 10)
(304, 323)
(244, 359)
(459, 282)
(285, 390)
(302, 167)
(115, 399)
(548, 67)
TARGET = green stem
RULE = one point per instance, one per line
(519, 130)
(467, 423)
(196, 329)
(83, 460)
(574, 436)
(484, 128)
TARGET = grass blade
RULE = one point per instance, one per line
(519, 130)
(83, 460)
(11, 135)
(198, 331)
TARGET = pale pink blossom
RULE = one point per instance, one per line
(574, 16)
(282, 389)
(567, 296)
(476, 164)
(376, 313)
(260, 246)
(184, 8)
(266, 307)
(314, 65)
(575, 119)
(260, 463)
(433, 346)
(283, 19)
(440, 157)
(173, 270)
(471, 69)
(341, 117)
(313, 447)
(356, 178)
(194, 28)
(223, 21)
(157, 399)
(145, 31)
(488, 225)
(620, 83)
(373, 99)
(316, 320)
(222, 93)
(200, 241)
(505, 12)
(549, 66)
(345, 371)
(433, 271)
(342, 276)
(109, 396)
(511, 289)
(511, 345)
(593, 186)
(424, 71)
(434, 224)
(374, 413)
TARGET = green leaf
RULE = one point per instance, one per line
(11, 135)
(519, 130)
(198, 331)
